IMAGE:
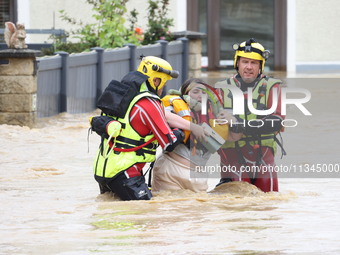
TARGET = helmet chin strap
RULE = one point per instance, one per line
(150, 87)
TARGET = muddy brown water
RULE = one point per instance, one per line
(50, 203)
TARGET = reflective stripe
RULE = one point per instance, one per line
(174, 98)
(169, 108)
(180, 107)
(184, 113)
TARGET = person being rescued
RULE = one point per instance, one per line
(174, 170)
(132, 125)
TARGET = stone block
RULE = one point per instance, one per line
(18, 84)
(195, 61)
(195, 47)
(195, 73)
(10, 103)
(17, 66)
(18, 118)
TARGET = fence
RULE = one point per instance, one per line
(73, 83)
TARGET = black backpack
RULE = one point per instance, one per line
(117, 96)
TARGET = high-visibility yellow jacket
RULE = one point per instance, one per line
(108, 162)
(260, 102)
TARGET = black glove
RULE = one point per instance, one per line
(179, 134)
(267, 125)
(180, 137)
(98, 125)
(237, 127)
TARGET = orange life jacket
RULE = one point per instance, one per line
(177, 105)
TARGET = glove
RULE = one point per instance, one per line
(180, 137)
(105, 126)
(179, 134)
(113, 128)
(238, 126)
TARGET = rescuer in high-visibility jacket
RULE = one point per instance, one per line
(132, 125)
(252, 156)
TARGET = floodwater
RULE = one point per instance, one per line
(50, 203)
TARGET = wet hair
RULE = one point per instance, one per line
(186, 84)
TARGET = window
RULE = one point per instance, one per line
(241, 20)
(202, 24)
(233, 21)
(7, 13)
(4, 12)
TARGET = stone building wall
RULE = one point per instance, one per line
(18, 89)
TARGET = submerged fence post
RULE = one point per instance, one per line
(185, 58)
(99, 71)
(64, 80)
(133, 59)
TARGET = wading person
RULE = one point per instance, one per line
(175, 170)
(132, 125)
(251, 159)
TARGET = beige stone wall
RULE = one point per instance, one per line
(18, 92)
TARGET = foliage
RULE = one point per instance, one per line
(60, 44)
(133, 19)
(109, 30)
(158, 23)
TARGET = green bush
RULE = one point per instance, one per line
(110, 31)
(158, 23)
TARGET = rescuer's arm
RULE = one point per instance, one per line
(147, 116)
(268, 124)
(262, 125)
(233, 137)
(176, 121)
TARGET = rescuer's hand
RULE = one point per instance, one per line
(225, 114)
(180, 137)
(113, 128)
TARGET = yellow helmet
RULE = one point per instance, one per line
(155, 67)
(250, 49)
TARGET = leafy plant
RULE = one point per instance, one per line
(109, 30)
(158, 23)
(135, 33)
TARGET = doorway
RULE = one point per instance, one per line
(233, 21)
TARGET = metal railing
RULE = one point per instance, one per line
(57, 32)
(36, 46)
